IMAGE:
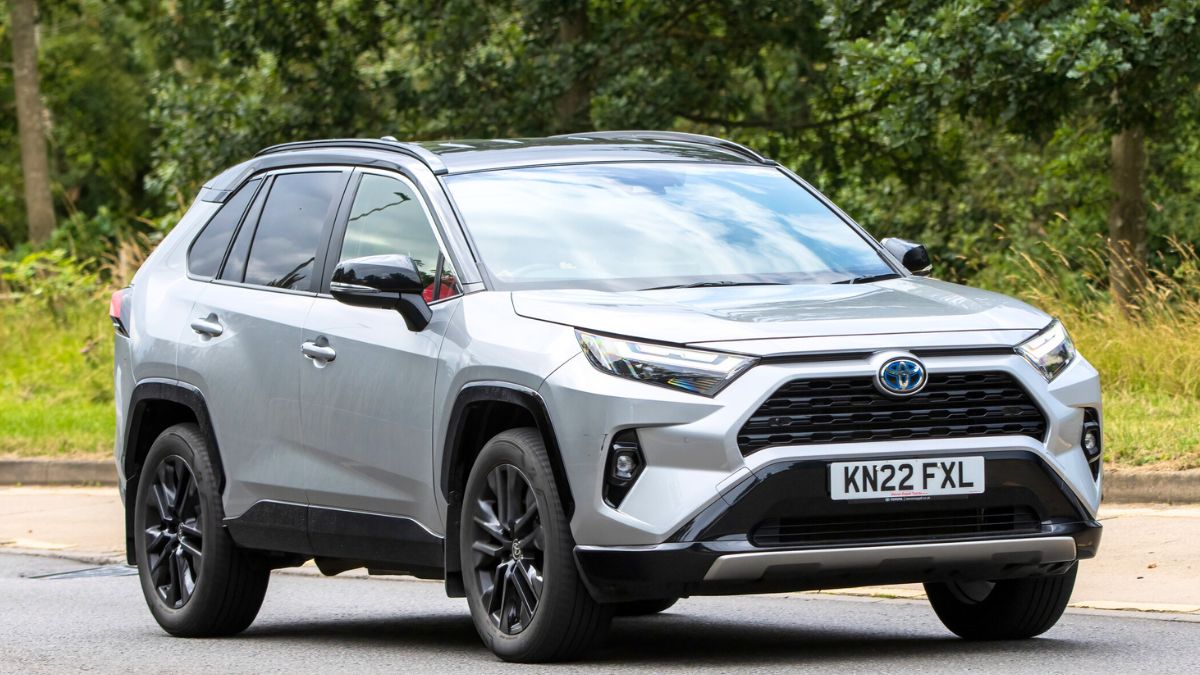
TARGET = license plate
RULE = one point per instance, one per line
(902, 478)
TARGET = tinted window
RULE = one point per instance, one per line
(285, 243)
(633, 226)
(235, 262)
(387, 217)
(209, 248)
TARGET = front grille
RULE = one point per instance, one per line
(896, 527)
(852, 410)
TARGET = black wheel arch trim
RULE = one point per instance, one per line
(474, 393)
(144, 393)
(488, 391)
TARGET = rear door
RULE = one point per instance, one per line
(244, 348)
(367, 414)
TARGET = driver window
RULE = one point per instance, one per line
(386, 217)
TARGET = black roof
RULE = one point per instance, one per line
(460, 156)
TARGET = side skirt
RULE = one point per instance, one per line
(341, 540)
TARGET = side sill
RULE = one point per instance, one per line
(341, 540)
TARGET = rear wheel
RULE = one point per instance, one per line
(1011, 609)
(526, 598)
(644, 607)
(195, 579)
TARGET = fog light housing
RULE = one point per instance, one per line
(1092, 441)
(625, 464)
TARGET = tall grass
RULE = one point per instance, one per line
(55, 369)
(1149, 360)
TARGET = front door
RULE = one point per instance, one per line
(367, 412)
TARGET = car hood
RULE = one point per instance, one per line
(758, 313)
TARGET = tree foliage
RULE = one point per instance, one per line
(980, 126)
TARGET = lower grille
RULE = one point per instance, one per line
(896, 527)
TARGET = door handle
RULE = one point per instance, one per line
(209, 326)
(321, 353)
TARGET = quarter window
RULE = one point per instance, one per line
(204, 258)
(387, 218)
(283, 252)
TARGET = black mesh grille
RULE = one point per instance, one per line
(852, 410)
(896, 527)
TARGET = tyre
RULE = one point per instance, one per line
(526, 598)
(195, 579)
(1012, 609)
(644, 607)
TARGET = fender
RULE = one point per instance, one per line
(145, 393)
(489, 392)
(160, 389)
(503, 392)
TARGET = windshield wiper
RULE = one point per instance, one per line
(709, 284)
(866, 279)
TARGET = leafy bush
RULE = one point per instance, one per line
(51, 280)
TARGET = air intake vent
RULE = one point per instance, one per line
(873, 527)
(852, 410)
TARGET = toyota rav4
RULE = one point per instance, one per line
(580, 377)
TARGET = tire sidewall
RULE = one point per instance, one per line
(498, 452)
(174, 442)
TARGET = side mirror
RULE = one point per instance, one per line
(912, 255)
(386, 282)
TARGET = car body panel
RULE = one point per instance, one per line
(721, 314)
(365, 416)
(250, 377)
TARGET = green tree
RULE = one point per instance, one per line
(1030, 66)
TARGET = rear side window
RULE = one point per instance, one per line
(284, 248)
(204, 258)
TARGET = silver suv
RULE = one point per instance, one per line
(579, 377)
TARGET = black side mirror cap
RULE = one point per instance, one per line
(912, 255)
(384, 282)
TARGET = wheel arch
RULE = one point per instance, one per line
(154, 406)
(480, 411)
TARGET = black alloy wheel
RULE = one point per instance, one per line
(508, 549)
(174, 535)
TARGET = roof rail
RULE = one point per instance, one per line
(677, 136)
(387, 144)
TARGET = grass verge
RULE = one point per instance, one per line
(56, 395)
(56, 382)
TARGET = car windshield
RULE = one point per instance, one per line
(655, 225)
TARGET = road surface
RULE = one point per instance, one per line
(97, 621)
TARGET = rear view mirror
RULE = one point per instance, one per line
(912, 255)
(386, 282)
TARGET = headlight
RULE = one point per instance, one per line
(1050, 350)
(692, 370)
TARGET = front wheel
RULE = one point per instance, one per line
(1012, 609)
(526, 598)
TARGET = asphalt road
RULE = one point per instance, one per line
(310, 624)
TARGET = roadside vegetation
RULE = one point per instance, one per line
(1045, 150)
(56, 373)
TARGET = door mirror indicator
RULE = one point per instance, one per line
(912, 255)
(385, 282)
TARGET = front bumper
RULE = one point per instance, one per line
(690, 443)
(720, 551)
